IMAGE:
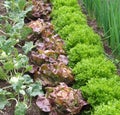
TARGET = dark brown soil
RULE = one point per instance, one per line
(92, 23)
(2, 9)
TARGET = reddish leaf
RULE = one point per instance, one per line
(41, 9)
(43, 103)
(66, 99)
(37, 26)
(63, 59)
(61, 100)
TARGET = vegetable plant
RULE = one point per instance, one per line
(101, 90)
(97, 67)
(14, 61)
(112, 107)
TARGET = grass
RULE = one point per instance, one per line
(107, 15)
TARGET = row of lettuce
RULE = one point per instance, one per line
(95, 75)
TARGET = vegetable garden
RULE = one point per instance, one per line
(53, 63)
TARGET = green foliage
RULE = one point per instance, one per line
(14, 64)
(111, 108)
(107, 15)
(3, 98)
(79, 33)
(64, 10)
(17, 10)
(7, 45)
(20, 108)
(98, 67)
(82, 51)
(101, 90)
(94, 73)
(35, 89)
(27, 47)
(25, 85)
(59, 3)
(82, 34)
(3, 75)
(67, 20)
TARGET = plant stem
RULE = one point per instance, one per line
(2, 32)
(13, 99)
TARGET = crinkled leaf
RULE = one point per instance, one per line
(8, 45)
(65, 99)
(37, 26)
(41, 9)
(63, 59)
(55, 73)
(43, 103)
(17, 83)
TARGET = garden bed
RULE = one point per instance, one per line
(48, 73)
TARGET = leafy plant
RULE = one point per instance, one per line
(83, 51)
(63, 10)
(3, 97)
(27, 47)
(58, 4)
(20, 108)
(61, 100)
(98, 67)
(111, 108)
(67, 20)
(53, 74)
(82, 34)
(106, 13)
(14, 64)
(101, 90)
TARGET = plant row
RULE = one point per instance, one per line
(19, 87)
(106, 13)
(33, 59)
(94, 74)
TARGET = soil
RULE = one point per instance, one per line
(2, 9)
(92, 23)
